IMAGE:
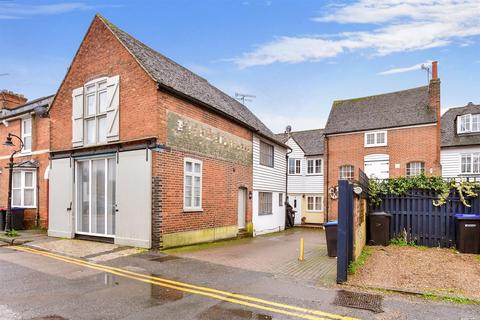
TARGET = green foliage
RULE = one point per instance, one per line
(402, 242)
(401, 185)
(360, 262)
(11, 233)
(452, 299)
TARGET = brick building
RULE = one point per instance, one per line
(388, 135)
(27, 120)
(145, 152)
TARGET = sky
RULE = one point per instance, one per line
(296, 57)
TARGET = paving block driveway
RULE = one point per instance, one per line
(272, 253)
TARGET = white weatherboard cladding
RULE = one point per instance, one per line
(450, 160)
(267, 178)
(60, 220)
(271, 222)
(304, 183)
(134, 199)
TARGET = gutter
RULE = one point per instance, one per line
(286, 184)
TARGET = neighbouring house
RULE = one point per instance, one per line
(460, 153)
(387, 135)
(269, 185)
(305, 174)
(29, 121)
(146, 153)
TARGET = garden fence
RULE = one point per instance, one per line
(415, 216)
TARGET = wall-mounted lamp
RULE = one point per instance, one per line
(250, 195)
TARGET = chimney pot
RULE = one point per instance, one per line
(434, 70)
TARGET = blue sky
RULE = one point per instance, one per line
(296, 57)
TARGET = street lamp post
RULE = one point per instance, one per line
(9, 143)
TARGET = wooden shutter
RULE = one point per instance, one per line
(77, 117)
(113, 104)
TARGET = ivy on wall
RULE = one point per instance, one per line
(402, 185)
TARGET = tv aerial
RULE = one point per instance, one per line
(244, 97)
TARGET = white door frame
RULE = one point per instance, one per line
(242, 217)
(77, 203)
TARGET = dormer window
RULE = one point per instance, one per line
(376, 139)
(468, 123)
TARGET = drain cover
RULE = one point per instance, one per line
(372, 302)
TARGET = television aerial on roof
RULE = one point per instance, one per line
(244, 97)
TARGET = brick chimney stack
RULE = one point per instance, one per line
(9, 99)
(434, 97)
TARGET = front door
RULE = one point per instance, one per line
(95, 197)
(242, 207)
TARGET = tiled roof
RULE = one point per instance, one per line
(395, 109)
(450, 138)
(41, 105)
(172, 76)
(311, 141)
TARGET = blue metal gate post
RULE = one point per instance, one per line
(345, 229)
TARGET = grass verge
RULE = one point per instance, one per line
(452, 299)
(360, 262)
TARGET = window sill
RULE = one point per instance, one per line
(314, 211)
(264, 165)
(265, 214)
(188, 210)
(25, 153)
(376, 145)
(20, 207)
(314, 174)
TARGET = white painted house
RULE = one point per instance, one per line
(269, 185)
(306, 175)
(460, 149)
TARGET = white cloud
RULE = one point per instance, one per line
(398, 26)
(405, 69)
(11, 10)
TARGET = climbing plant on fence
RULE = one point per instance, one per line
(377, 189)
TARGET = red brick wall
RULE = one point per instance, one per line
(404, 145)
(143, 113)
(40, 144)
(220, 181)
(101, 54)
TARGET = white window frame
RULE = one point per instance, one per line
(297, 166)
(280, 200)
(193, 174)
(314, 167)
(472, 157)
(22, 188)
(316, 199)
(375, 139)
(98, 115)
(261, 212)
(26, 135)
(341, 171)
(263, 154)
(408, 170)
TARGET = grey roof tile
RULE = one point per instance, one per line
(170, 74)
(29, 106)
(450, 138)
(311, 141)
(395, 109)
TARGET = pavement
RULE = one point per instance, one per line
(277, 254)
(38, 284)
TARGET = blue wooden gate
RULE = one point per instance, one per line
(415, 218)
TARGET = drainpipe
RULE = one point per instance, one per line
(325, 193)
(286, 184)
(37, 214)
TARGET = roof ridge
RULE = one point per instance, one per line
(307, 130)
(378, 95)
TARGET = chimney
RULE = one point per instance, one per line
(434, 70)
(434, 101)
(9, 99)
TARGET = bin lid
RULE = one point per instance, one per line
(380, 213)
(467, 216)
(331, 223)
